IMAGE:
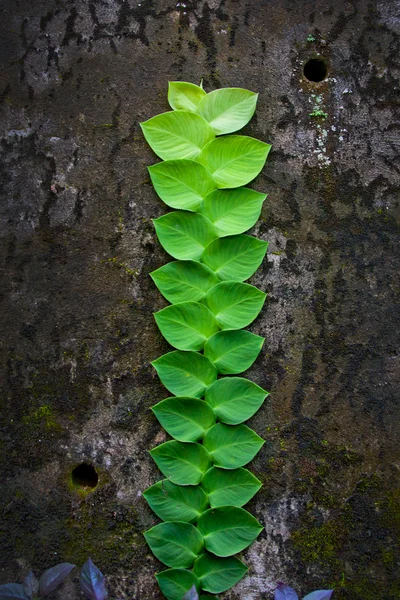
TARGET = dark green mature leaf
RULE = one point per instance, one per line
(229, 487)
(174, 583)
(184, 280)
(235, 399)
(235, 258)
(231, 446)
(185, 373)
(12, 591)
(177, 134)
(228, 110)
(218, 574)
(176, 544)
(185, 419)
(187, 325)
(232, 211)
(173, 502)
(235, 305)
(233, 351)
(181, 463)
(234, 160)
(184, 96)
(228, 530)
(184, 235)
(181, 183)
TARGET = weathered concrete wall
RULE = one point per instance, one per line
(77, 244)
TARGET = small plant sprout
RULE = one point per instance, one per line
(92, 582)
(33, 588)
(284, 592)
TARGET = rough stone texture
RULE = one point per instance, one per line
(77, 244)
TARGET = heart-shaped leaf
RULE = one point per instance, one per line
(184, 280)
(53, 577)
(184, 235)
(184, 96)
(228, 110)
(173, 502)
(187, 325)
(232, 211)
(235, 258)
(217, 574)
(231, 446)
(92, 581)
(177, 134)
(176, 544)
(185, 419)
(284, 592)
(13, 591)
(227, 530)
(319, 595)
(233, 351)
(182, 463)
(181, 183)
(229, 487)
(185, 373)
(235, 305)
(31, 585)
(234, 160)
(175, 583)
(235, 399)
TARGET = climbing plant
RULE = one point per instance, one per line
(202, 176)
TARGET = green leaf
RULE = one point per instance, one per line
(174, 583)
(183, 464)
(228, 530)
(184, 96)
(218, 574)
(185, 373)
(231, 446)
(228, 109)
(184, 280)
(235, 399)
(187, 325)
(232, 211)
(235, 305)
(234, 160)
(229, 487)
(177, 134)
(233, 351)
(181, 183)
(173, 502)
(185, 419)
(176, 544)
(184, 235)
(236, 257)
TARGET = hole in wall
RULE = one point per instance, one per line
(85, 476)
(315, 69)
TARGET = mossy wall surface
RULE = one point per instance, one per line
(77, 244)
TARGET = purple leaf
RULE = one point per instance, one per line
(284, 592)
(31, 585)
(92, 582)
(53, 577)
(191, 594)
(319, 595)
(12, 591)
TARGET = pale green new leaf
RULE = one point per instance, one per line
(185, 373)
(232, 211)
(187, 325)
(173, 502)
(184, 96)
(235, 258)
(181, 463)
(184, 280)
(184, 235)
(233, 351)
(231, 446)
(229, 487)
(185, 419)
(228, 109)
(234, 160)
(177, 134)
(176, 544)
(228, 530)
(235, 305)
(181, 183)
(174, 583)
(218, 574)
(235, 399)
